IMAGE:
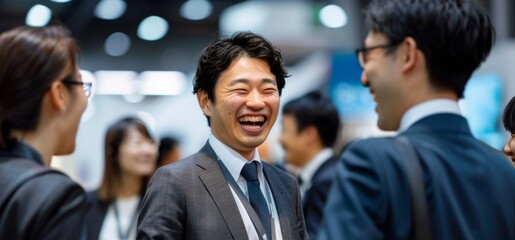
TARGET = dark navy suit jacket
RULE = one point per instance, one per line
(470, 187)
(315, 197)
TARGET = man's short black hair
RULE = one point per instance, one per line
(315, 109)
(454, 35)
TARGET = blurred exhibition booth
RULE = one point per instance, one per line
(141, 56)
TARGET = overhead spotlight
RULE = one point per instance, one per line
(196, 9)
(110, 9)
(152, 28)
(117, 44)
(38, 16)
(116, 82)
(333, 16)
(61, 1)
(163, 82)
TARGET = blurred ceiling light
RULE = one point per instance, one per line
(38, 16)
(244, 16)
(282, 22)
(333, 16)
(110, 9)
(135, 87)
(162, 82)
(152, 28)
(196, 9)
(115, 82)
(134, 98)
(61, 1)
(117, 44)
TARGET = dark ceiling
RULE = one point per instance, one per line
(173, 52)
(178, 50)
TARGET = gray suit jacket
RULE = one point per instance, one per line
(191, 199)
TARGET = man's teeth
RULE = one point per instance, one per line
(252, 119)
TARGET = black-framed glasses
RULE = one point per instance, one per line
(86, 86)
(362, 53)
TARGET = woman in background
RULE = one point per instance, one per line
(130, 160)
(42, 98)
(509, 124)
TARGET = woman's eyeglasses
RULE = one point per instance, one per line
(86, 86)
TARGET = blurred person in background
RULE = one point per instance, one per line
(225, 191)
(169, 151)
(42, 98)
(310, 126)
(416, 59)
(509, 124)
(130, 160)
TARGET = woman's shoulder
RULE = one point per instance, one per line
(47, 195)
(53, 184)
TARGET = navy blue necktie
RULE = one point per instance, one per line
(257, 200)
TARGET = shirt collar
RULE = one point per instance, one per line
(427, 108)
(232, 160)
(307, 172)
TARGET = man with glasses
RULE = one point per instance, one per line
(417, 57)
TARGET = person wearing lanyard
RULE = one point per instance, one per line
(225, 191)
(130, 160)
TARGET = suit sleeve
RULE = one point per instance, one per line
(317, 200)
(162, 212)
(55, 207)
(356, 204)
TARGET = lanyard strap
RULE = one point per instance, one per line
(250, 210)
(125, 235)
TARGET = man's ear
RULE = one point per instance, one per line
(410, 55)
(311, 132)
(204, 102)
(57, 96)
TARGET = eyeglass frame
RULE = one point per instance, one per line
(86, 86)
(361, 53)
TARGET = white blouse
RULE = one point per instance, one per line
(128, 218)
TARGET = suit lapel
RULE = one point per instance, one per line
(215, 183)
(279, 191)
(318, 174)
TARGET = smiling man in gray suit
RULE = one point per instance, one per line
(209, 195)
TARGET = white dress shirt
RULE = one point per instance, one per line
(234, 162)
(427, 108)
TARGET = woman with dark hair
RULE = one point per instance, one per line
(509, 124)
(42, 98)
(130, 160)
